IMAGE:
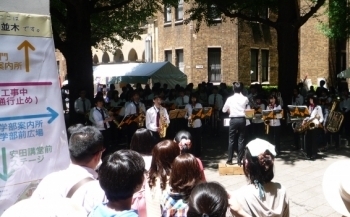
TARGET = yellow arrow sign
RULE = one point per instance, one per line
(25, 44)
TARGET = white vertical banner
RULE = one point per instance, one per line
(33, 140)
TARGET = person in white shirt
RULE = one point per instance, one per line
(182, 99)
(258, 122)
(312, 136)
(236, 106)
(82, 107)
(155, 116)
(275, 124)
(135, 107)
(101, 119)
(297, 99)
(115, 101)
(85, 148)
(194, 125)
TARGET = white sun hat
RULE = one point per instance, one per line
(336, 186)
(58, 207)
(259, 146)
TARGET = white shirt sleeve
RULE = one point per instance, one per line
(150, 122)
(226, 106)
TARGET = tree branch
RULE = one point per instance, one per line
(228, 13)
(309, 14)
(59, 16)
(110, 7)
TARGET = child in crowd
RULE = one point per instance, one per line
(208, 199)
(185, 175)
(120, 176)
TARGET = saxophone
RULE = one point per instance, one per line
(162, 123)
(142, 118)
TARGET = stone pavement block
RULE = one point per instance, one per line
(316, 202)
(323, 211)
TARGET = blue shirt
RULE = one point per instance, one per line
(103, 211)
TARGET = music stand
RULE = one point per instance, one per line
(249, 113)
(196, 113)
(176, 115)
(299, 113)
(127, 120)
(206, 112)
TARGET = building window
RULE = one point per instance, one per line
(167, 13)
(214, 64)
(265, 65)
(168, 56)
(180, 60)
(179, 15)
(214, 14)
(254, 63)
(264, 13)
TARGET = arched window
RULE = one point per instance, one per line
(118, 56)
(105, 58)
(132, 57)
(95, 59)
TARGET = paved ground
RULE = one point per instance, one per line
(302, 178)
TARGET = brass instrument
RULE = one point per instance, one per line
(190, 122)
(142, 118)
(162, 123)
(267, 126)
(308, 125)
(334, 120)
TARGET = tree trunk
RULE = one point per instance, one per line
(288, 47)
(78, 53)
(288, 61)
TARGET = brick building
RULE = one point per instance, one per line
(226, 52)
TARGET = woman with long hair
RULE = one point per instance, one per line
(163, 155)
(275, 124)
(313, 135)
(184, 139)
(261, 197)
(184, 176)
(194, 125)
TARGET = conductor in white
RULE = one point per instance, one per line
(156, 116)
(236, 105)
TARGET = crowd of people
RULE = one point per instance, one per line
(161, 180)
(158, 175)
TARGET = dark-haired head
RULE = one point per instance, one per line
(237, 87)
(86, 145)
(208, 198)
(258, 168)
(273, 100)
(73, 129)
(185, 174)
(142, 141)
(121, 174)
(183, 139)
(312, 100)
(163, 155)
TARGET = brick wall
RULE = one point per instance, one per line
(314, 50)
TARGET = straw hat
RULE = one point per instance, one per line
(58, 207)
(336, 186)
(259, 146)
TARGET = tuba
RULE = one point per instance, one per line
(162, 122)
(334, 120)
